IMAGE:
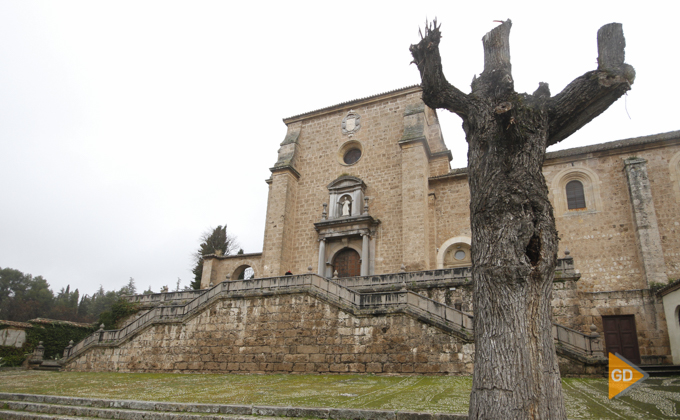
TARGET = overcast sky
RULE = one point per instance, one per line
(128, 128)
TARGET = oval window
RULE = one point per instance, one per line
(352, 156)
(459, 255)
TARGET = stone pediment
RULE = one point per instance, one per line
(346, 182)
(347, 226)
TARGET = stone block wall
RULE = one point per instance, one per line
(650, 320)
(452, 209)
(380, 168)
(284, 334)
(663, 168)
(317, 145)
(566, 303)
(602, 238)
(231, 266)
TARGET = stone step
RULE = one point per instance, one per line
(78, 412)
(661, 370)
(57, 407)
(23, 415)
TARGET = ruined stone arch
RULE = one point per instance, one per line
(463, 242)
(591, 190)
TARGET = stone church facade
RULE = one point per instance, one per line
(364, 210)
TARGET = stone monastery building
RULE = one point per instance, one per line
(367, 214)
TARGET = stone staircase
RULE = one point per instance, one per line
(27, 406)
(570, 343)
(661, 370)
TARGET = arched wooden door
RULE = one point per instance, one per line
(347, 263)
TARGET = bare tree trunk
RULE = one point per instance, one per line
(514, 240)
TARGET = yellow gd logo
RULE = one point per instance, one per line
(623, 375)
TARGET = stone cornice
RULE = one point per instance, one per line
(365, 221)
(430, 155)
(227, 257)
(615, 147)
(353, 103)
(670, 288)
(655, 141)
(286, 168)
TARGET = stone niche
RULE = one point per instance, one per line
(346, 197)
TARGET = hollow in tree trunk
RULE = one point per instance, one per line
(514, 240)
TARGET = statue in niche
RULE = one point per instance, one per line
(346, 209)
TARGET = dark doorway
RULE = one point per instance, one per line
(620, 336)
(348, 263)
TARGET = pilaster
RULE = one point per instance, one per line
(278, 235)
(207, 274)
(644, 218)
(414, 190)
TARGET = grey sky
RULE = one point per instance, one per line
(128, 128)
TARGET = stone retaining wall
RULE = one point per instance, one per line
(284, 334)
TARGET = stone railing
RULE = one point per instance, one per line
(393, 280)
(427, 310)
(168, 297)
(411, 279)
(428, 278)
(577, 343)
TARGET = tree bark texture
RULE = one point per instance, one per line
(514, 240)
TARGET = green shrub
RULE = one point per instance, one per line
(55, 336)
(119, 311)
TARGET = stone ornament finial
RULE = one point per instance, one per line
(101, 328)
(38, 353)
(402, 269)
(566, 252)
(335, 274)
(67, 350)
(324, 213)
(309, 269)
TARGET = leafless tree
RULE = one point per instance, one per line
(514, 240)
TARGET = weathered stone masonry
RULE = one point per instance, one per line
(409, 213)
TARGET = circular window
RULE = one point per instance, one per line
(459, 255)
(350, 153)
(352, 156)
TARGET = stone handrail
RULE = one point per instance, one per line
(157, 298)
(461, 274)
(427, 310)
(589, 346)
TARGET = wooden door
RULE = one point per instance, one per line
(620, 336)
(347, 263)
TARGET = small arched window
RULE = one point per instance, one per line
(576, 199)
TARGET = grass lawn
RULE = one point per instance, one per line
(585, 398)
